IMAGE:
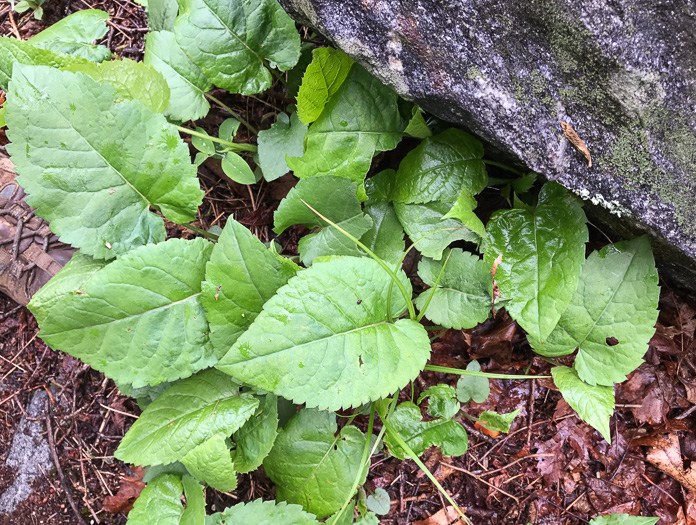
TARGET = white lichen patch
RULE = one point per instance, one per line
(614, 207)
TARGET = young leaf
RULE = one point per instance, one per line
(361, 119)
(228, 129)
(419, 435)
(322, 79)
(240, 277)
(463, 210)
(203, 143)
(417, 126)
(470, 388)
(542, 254)
(386, 236)
(333, 197)
(323, 339)
(237, 169)
(440, 167)
(464, 296)
(313, 466)
(284, 139)
(91, 172)
(255, 439)
(67, 281)
(211, 463)
(623, 519)
(75, 34)
(260, 512)
(195, 502)
(421, 219)
(616, 299)
(380, 187)
(139, 320)
(13, 51)
(160, 500)
(442, 401)
(132, 81)
(233, 41)
(498, 422)
(379, 502)
(186, 81)
(186, 415)
(594, 404)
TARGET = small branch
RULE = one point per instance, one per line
(54, 455)
(232, 145)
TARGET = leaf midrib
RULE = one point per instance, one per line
(113, 168)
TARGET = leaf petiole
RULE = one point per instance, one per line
(392, 274)
(461, 372)
(434, 289)
(232, 145)
(233, 113)
(202, 232)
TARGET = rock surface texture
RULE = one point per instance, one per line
(622, 73)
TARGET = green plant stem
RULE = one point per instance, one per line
(437, 336)
(459, 371)
(434, 289)
(204, 233)
(503, 167)
(435, 328)
(402, 288)
(278, 76)
(551, 361)
(233, 113)
(232, 145)
(393, 434)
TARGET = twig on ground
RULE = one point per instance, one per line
(477, 478)
(54, 455)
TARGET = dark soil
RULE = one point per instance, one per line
(550, 469)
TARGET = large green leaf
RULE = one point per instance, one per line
(234, 41)
(594, 404)
(13, 51)
(361, 119)
(161, 15)
(623, 519)
(284, 139)
(67, 281)
(75, 35)
(463, 298)
(333, 197)
(255, 439)
(312, 465)
(159, 503)
(186, 415)
(211, 462)
(186, 81)
(260, 512)
(612, 315)
(423, 219)
(92, 167)
(240, 277)
(542, 251)
(323, 339)
(139, 320)
(322, 79)
(132, 81)
(386, 236)
(447, 434)
(440, 167)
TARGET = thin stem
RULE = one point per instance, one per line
(204, 233)
(232, 145)
(394, 435)
(459, 371)
(437, 336)
(434, 328)
(503, 167)
(233, 113)
(278, 76)
(400, 285)
(434, 289)
(551, 361)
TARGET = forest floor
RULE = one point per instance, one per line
(550, 469)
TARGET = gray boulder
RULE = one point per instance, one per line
(622, 73)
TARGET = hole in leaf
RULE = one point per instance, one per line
(612, 341)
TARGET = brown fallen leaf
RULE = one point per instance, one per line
(128, 492)
(576, 141)
(446, 516)
(669, 460)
